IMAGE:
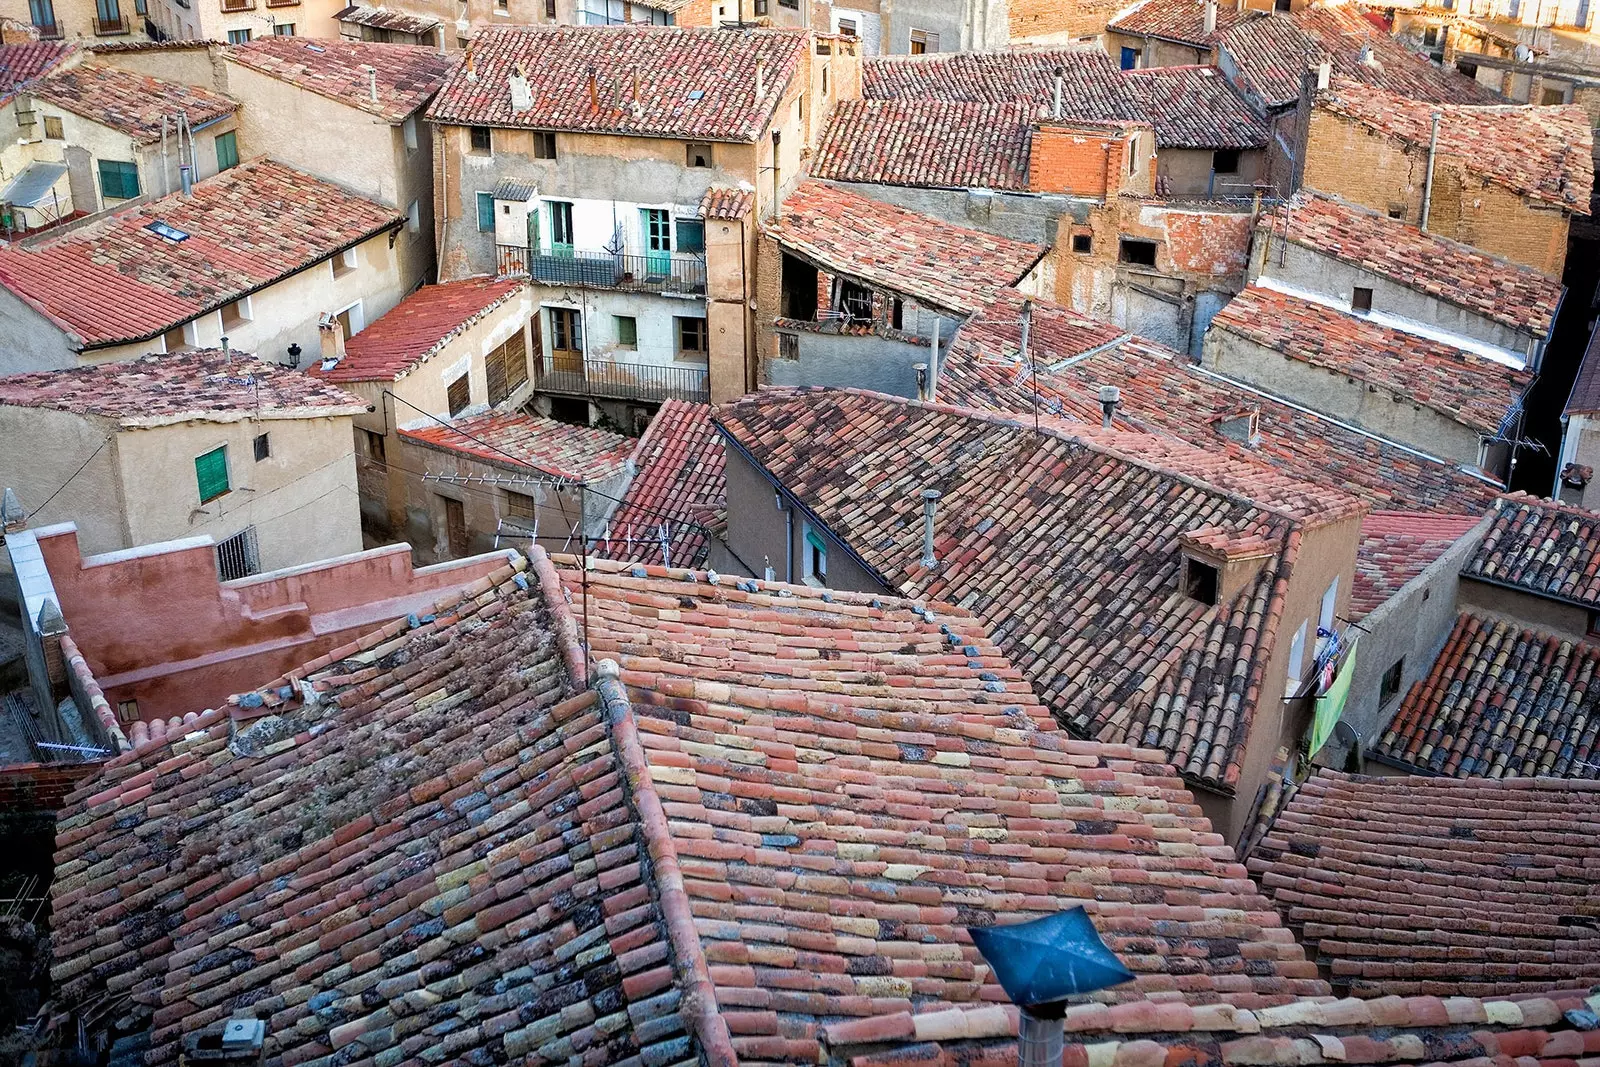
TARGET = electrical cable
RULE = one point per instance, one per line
(71, 476)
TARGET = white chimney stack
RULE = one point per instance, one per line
(1055, 110)
(372, 82)
(930, 505)
(761, 79)
(1211, 16)
(1110, 397)
(1324, 73)
(521, 93)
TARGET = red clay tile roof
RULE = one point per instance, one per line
(1165, 392)
(1585, 396)
(22, 63)
(1396, 547)
(1065, 542)
(691, 82)
(921, 256)
(130, 103)
(1543, 153)
(115, 281)
(1396, 1030)
(407, 75)
(727, 201)
(1460, 385)
(1408, 885)
(417, 327)
(678, 482)
(1195, 107)
(513, 440)
(379, 18)
(938, 143)
(1183, 21)
(1091, 87)
(1501, 702)
(206, 385)
(1541, 546)
(1497, 289)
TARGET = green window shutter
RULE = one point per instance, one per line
(227, 150)
(118, 180)
(485, 212)
(211, 472)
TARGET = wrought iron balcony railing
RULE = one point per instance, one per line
(654, 272)
(576, 376)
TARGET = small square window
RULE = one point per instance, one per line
(236, 314)
(699, 155)
(544, 144)
(263, 447)
(1200, 581)
(1139, 253)
(1082, 242)
(1430, 36)
(344, 262)
(789, 346)
(1389, 687)
(691, 235)
(1225, 161)
(480, 139)
(1361, 299)
(1552, 97)
(127, 711)
(691, 336)
(408, 130)
(627, 331)
(1397, 211)
(52, 128)
(175, 339)
(519, 505)
(458, 395)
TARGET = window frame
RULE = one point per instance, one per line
(231, 139)
(697, 244)
(241, 36)
(483, 133)
(219, 455)
(1083, 243)
(60, 127)
(1387, 689)
(122, 178)
(485, 220)
(686, 325)
(408, 133)
(697, 150)
(631, 343)
(1361, 299)
(814, 550)
(544, 145)
(1127, 244)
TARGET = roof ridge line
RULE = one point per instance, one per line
(700, 1009)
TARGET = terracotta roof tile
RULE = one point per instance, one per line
(416, 328)
(1035, 534)
(1091, 85)
(1544, 153)
(1412, 885)
(1501, 701)
(407, 76)
(1497, 289)
(512, 439)
(1543, 547)
(128, 102)
(1396, 547)
(21, 64)
(203, 384)
(1195, 107)
(1460, 385)
(678, 482)
(727, 202)
(384, 19)
(691, 82)
(921, 256)
(928, 142)
(1183, 21)
(115, 281)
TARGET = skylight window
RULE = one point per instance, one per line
(171, 233)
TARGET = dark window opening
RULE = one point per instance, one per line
(1430, 36)
(799, 297)
(1554, 96)
(855, 301)
(570, 410)
(1361, 299)
(1082, 242)
(1139, 253)
(788, 346)
(1281, 5)
(1397, 211)
(1389, 687)
(374, 441)
(1200, 581)
(263, 447)
(699, 155)
(897, 313)
(544, 144)
(481, 139)
(691, 336)
(1468, 69)
(1225, 161)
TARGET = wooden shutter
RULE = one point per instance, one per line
(459, 395)
(211, 473)
(516, 350)
(494, 367)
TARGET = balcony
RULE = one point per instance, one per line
(606, 380)
(230, 6)
(656, 272)
(110, 27)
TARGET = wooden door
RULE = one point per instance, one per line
(566, 340)
(455, 524)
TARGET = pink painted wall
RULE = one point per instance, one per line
(155, 625)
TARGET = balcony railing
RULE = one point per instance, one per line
(621, 381)
(107, 27)
(656, 272)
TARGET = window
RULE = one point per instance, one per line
(923, 42)
(139, 8)
(1361, 299)
(1082, 242)
(691, 235)
(352, 320)
(1430, 36)
(1397, 211)
(1330, 604)
(760, 8)
(1140, 253)
(413, 217)
(1389, 686)
(227, 150)
(373, 440)
(211, 473)
(485, 212)
(43, 14)
(52, 128)
(1130, 58)
(847, 27)
(263, 447)
(239, 36)
(1281, 5)
(544, 144)
(789, 346)
(127, 711)
(627, 327)
(1553, 96)
(480, 140)
(175, 339)
(1297, 660)
(408, 130)
(699, 155)
(519, 506)
(506, 368)
(1200, 580)
(855, 301)
(238, 557)
(560, 226)
(566, 331)
(1467, 68)
(815, 564)
(458, 395)
(118, 180)
(282, 29)
(236, 314)
(792, 4)
(1225, 161)
(1133, 155)
(344, 262)
(824, 81)
(550, 10)
(691, 336)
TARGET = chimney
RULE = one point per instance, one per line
(472, 66)
(1211, 16)
(332, 335)
(930, 506)
(594, 91)
(1055, 109)
(1040, 1041)
(186, 178)
(372, 81)
(521, 94)
(1324, 73)
(1110, 397)
(922, 380)
(761, 79)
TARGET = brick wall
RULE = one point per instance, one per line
(1081, 160)
(1060, 20)
(40, 786)
(1351, 160)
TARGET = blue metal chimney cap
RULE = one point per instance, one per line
(1042, 962)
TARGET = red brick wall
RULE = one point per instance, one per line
(1074, 161)
(1060, 18)
(36, 786)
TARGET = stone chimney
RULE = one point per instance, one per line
(332, 336)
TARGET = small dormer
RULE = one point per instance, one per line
(1218, 563)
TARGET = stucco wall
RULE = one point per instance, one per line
(39, 451)
(843, 361)
(1029, 217)
(1154, 52)
(1187, 172)
(28, 340)
(205, 19)
(1524, 609)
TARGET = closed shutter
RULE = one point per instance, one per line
(458, 395)
(485, 212)
(516, 361)
(227, 151)
(118, 181)
(211, 473)
(495, 371)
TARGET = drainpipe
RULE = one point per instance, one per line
(930, 502)
(1427, 182)
(788, 540)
